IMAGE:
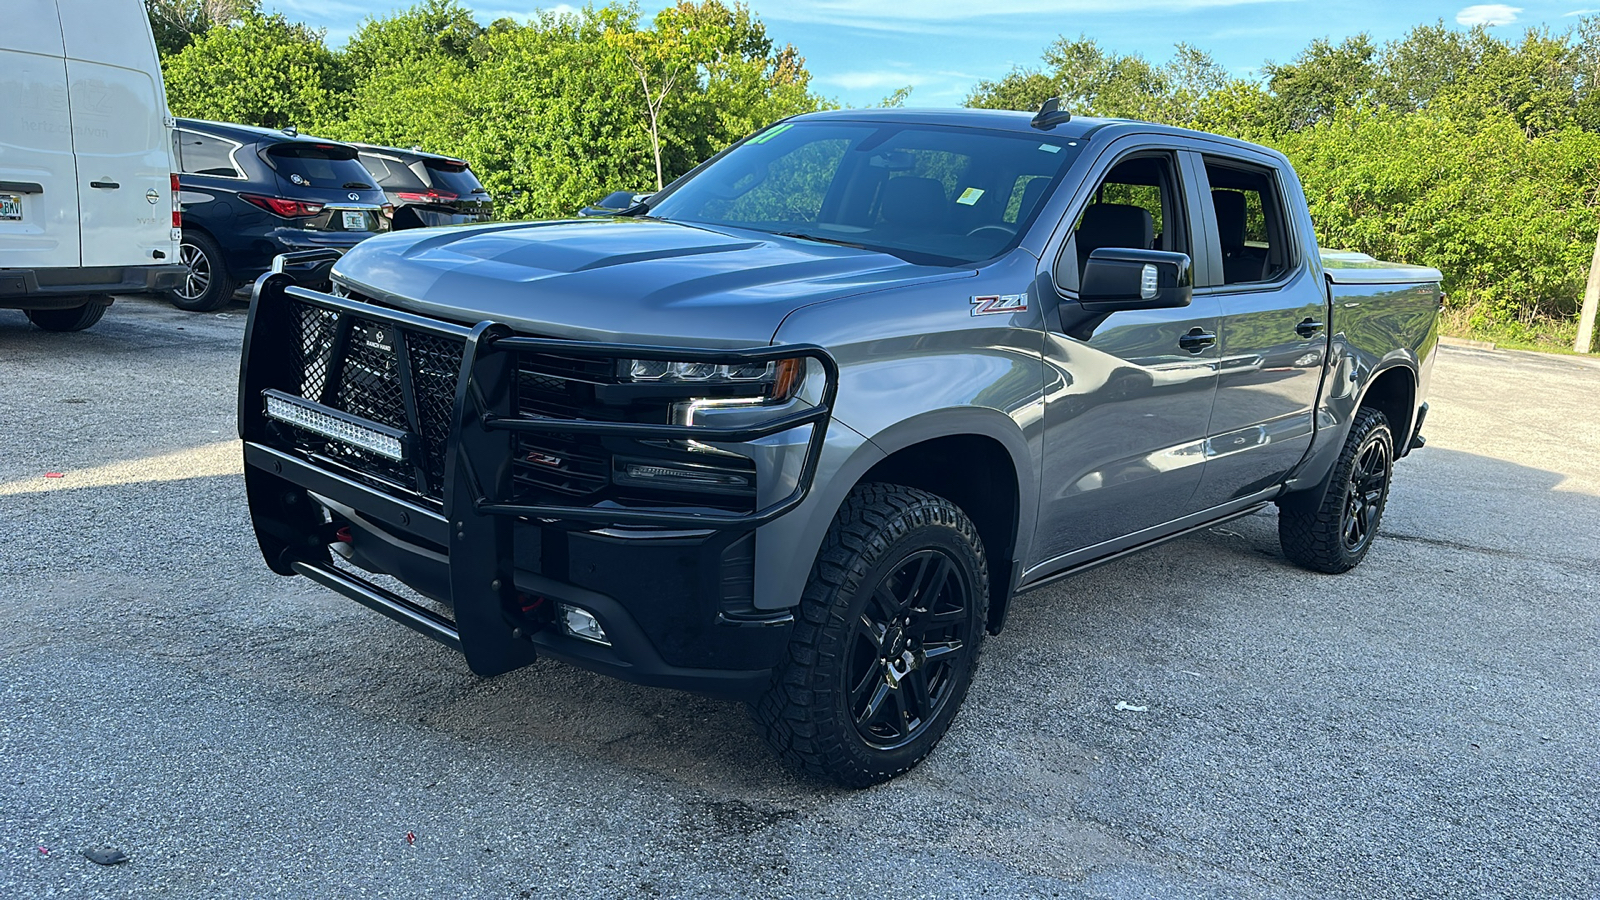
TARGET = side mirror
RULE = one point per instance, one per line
(1118, 278)
(613, 203)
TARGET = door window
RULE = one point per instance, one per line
(201, 154)
(1137, 206)
(1251, 228)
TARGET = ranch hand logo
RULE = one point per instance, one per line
(999, 304)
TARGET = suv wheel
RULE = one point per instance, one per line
(885, 640)
(75, 318)
(1335, 536)
(206, 285)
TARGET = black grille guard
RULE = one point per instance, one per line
(477, 477)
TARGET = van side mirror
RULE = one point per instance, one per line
(1121, 278)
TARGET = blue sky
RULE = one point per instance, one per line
(859, 51)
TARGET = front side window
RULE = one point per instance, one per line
(1136, 206)
(928, 194)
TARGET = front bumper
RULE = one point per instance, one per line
(65, 288)
(672, 587)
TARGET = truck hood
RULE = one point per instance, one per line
(627, 280)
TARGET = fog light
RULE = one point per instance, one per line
(581, 624)
(684, 477)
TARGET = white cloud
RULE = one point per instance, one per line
(1580, 12)
(875, 80)
(1488, 14)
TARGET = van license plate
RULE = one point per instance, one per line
(355, 221)
(10, 208)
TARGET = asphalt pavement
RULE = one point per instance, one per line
(1426, 726)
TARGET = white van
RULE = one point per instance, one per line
(88, 204)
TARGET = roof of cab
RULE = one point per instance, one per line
(1077, 129)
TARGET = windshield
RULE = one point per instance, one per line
(928, 194)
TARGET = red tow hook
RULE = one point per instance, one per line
(343, 536)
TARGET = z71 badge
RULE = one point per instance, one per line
(998, 304)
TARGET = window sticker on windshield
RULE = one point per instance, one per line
(1050, 148)
(771, 133)
(969, 196)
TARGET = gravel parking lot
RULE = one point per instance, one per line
(1426, 726)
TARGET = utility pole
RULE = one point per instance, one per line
(1591, 298)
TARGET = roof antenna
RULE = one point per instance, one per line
(1050, 115)
(290, 130)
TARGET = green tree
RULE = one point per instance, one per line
(176, 23)
(261, 70)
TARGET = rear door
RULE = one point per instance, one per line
(38, 180)
(329, 174)
(121, 136)
(1274, 338)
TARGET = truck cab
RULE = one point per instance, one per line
(800, 427)
(88, 202)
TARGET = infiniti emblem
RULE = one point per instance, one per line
(352, 195)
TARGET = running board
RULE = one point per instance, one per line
(1102, 560)
(396, 607)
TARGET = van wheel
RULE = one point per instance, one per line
(76, 318)
(885, 640)
(206, 285)
(1335, 535)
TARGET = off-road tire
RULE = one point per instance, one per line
(1317, 537)
(218, 284)
(881, 533)
(76, 318)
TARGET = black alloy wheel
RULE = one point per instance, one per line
(908, 648)
(1333, 532)
(1365, 495)
(885, 641)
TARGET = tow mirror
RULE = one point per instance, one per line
(1121, 278)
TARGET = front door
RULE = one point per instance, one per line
(1274, 337)
(1128, 396)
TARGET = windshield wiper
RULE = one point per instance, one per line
(820, 239)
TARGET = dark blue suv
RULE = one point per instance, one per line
(249, 194)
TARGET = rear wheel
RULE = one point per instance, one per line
(206, 284)
(1335, 535)
(75, 318)
(886, 639)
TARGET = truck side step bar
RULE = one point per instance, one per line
(396, 607)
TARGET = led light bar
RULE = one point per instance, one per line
(389, 443)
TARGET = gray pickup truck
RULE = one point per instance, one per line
(799, 428)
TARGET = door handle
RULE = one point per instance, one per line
(1308, 328)
(1197, 340)
(109, 185)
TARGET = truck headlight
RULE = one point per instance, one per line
(781, 377)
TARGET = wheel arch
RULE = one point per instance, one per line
(1392, 391)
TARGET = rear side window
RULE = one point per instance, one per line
(1251, 227)
(453, 178)
(201, 154)
(318, 165)
(392, 173)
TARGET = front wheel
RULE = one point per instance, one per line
(885, 641)
(1335, 535)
